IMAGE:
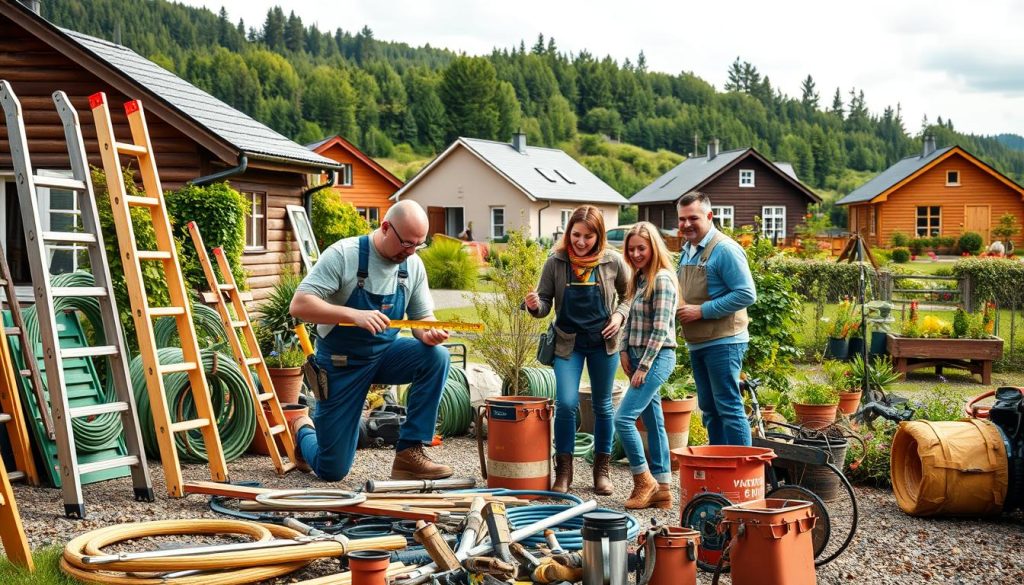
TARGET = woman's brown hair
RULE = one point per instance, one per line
(660, 257)
(593, 219)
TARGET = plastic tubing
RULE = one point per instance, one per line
(568, 532)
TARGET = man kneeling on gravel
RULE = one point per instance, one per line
(368, 281)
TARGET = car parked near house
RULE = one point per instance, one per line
(615, 237)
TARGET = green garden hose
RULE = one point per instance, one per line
(454, 413)
(205, 319)
(229, 394)
(584, 445)
(533, 382)
(618, 452)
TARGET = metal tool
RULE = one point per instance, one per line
(490, 566)
(498, 531)
(422, 324)
(604, 549)
(474, 520)
(435, 545)
(376, 486)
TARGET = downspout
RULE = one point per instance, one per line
(538, 219)
(307, 195)
(243, 164)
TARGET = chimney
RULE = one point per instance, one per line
(33, 5)
(712, 149)
(519, 142)
(929, 145)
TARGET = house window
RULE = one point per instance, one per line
(872, 220)
(370, 214)
(952, 178)
(59, 212)
(546, 174)
(454, 221)
(723, 216)
(256, 223)
(929, 221)
(565, 177)
(566, 214)
(345, 175)
(497, 222)
(746, 178)
(773, 222)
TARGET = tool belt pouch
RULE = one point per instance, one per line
(316, 378)
(546, 346)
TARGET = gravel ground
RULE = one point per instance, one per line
(890, 547)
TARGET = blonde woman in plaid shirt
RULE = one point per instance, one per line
(648, 355)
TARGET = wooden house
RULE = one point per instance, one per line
(742, 184)
(196, 137)
(361, 180)
(940, 192)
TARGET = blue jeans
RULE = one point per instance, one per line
(330, 449)
(716, 370)
(568, 372)
(645, 402)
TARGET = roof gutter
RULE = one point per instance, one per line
(538, 218)
(243, 164)
(307, 195)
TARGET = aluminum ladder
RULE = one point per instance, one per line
(122, 202)
(91, 237)
(276, 426)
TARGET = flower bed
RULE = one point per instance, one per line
(974, 355)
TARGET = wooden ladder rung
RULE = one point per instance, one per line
(58, 183)
(155, 312)
(141, 201)
(130, 149)
(237, 324)
(15, 476)
(78, 291)
(93, 351)
(277, 430)
(126, 461)
(226, 287)
(97, 409)
(5, 418)
(266, 396)
(12, 331)
(175, 368)
(189, 425)
(252, 361)
(69, 237)
(153, 255)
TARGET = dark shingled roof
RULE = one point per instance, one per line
(890, 176)
(249, 136)
(684, 177)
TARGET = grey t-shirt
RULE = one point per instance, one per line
(333, 278)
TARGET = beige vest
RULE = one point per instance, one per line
(693, 290)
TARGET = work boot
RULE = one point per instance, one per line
(663, 497)
(563, 473)
(413, 463)
(644, 489)
(294, 425)
(602, 483)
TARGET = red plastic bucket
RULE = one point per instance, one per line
(735, 472)
(772, 542)
(518, 442)
(676, 556)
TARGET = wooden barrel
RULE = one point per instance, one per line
(954, 468)
(518, 442)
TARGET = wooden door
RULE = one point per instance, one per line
(977, 218)
(435, 220)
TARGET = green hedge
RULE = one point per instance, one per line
(219, 211)
(993, 279)
(825, 280)
(333, 219)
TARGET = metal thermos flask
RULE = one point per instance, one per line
(604, 549)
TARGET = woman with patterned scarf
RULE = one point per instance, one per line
(586, 284)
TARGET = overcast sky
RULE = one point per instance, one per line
(939, 57)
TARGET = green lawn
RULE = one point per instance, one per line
(47, 561)
(927, 266)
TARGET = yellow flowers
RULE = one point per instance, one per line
(932, 326)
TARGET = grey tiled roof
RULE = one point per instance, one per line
(890, 176)
(249, 136)
(787, 168)
(571, 180)
(684, 177)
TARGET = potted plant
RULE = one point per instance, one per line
(880, 372)
(855, 346)
(815, 404)
(772, 402)
(881, 315)
(678, 401)
(839, 333)
(841, 377)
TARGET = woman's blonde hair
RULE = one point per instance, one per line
(593, 219)
(660, 257)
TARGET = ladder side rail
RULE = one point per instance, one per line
(12, 532)
(17, 428)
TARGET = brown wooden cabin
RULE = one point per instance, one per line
(361, 180)
(194, 135)
(742, 185)
(940, 192)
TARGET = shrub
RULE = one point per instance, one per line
(917, 246)
(773, 319)
(219, 211)
(815, 393)
(334, 219)
(698, 434)
(993, 279)
(900, 240)
(874, 468)
(448, 265)
(970, 242)
(1006, 229)
(818, 280)
(292, 357)
(900, 255)
(945, 243)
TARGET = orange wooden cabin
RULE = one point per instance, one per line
(941, 192)
(361, 180)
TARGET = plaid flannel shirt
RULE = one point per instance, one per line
(652, 323)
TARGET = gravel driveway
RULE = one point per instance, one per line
(890, 547)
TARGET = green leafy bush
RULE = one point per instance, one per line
(874, 468)
(970, 242)
(943, 243)
(839, 375)
(773, 319)
(273, 312)
(881, 372)
(448, 265)
(219, 211)
(899, 240)
(917, 246)
(993, 279)
(826, 281)
(815, 393)
(698, 434)
(334, 219)
(292, 357)
(900, 255)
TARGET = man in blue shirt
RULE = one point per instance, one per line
(715, 289)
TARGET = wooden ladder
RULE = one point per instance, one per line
(90, 236)
(276, 426)
(10, 400)
(12, 533)
(153, 201)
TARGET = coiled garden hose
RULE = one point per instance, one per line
(455, 412)
(533, 382)
(229, 394)
(205, 319)
(568, 532)
(618, 451)
(584, 445)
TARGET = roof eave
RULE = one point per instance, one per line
(292, 162)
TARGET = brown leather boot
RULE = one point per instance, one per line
(663, 497)
(413, 463)
(293, 426)
(602, 483)
(563, 473)
(644, 488)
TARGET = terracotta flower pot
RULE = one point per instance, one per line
(849, 402)
(815, 416)
(677, 423)
(291, 412)
(287, 384)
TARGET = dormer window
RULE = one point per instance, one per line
(952, 178)
(746, 177)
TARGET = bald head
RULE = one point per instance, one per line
(407, 213)
(404, 227)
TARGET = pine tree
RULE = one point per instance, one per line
(468, 90)
(809, 97)
(294, 34)
(273, 29)
(837, 104)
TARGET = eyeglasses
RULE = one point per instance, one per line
(405, 244)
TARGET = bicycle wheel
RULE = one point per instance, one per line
(822, 527)
(842, 511)
(703, 514)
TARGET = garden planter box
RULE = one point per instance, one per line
(975, 355)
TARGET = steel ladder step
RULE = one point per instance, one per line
(58, 183)
(91, 351)
(97, 409)
(125, 461)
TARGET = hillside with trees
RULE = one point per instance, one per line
(398, 101)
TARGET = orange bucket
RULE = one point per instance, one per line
(369, 567)
(518, 442)
(675, 561)
(735, 472)
(771, 542)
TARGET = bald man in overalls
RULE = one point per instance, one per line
(368, 281)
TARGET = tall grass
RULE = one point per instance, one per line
(448, 265)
